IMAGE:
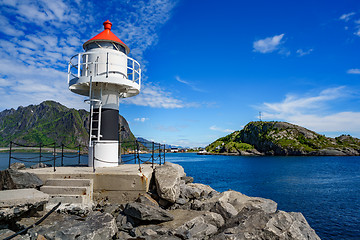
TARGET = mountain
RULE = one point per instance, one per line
(147, 142)
(282, 138)
(47, 123)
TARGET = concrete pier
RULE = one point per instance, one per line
(118, 184)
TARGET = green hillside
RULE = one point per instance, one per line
(282, 138)
(47, 123)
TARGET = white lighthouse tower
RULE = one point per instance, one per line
(104, 73)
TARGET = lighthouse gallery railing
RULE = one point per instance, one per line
(78, 68)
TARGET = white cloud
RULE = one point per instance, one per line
(154, 96)
(353, 71)
(309, 111)
(269, 44)
(301, 52)
(42, 37)
(143, 119)
(215, 128)
(191, 85)
(346, 17)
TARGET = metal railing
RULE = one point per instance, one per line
(79, 66)
(54, 153)
(137, 152)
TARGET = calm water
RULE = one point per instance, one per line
(325, 189)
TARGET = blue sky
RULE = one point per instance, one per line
(209, 67)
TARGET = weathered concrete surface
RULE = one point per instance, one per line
(119, 184)
(20, 202)
(12, 198)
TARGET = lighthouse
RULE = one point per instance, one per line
(104, 73)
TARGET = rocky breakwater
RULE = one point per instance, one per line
(175, 208)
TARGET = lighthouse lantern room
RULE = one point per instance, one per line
(104, 73)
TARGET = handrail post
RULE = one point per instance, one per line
(152, 155)
(160, 153)
(135, 151)
(79, 55)
(40, 154)
(164, 153)
(107, 65)
(10, 153)
(54, 155)
(62, 154)
(79, 156)
(138, 157)
(93, 156)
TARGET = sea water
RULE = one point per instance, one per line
(326, 190)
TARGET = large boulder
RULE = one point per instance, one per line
(167, 180)
(252, 223)
(13, 179)
(200, 227)
(95, 226)
(229, 203)
(147, 213)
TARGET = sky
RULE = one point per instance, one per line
(209, 67)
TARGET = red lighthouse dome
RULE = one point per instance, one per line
(107, 36)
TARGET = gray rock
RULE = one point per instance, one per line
(201, 227)
(189, 192)
(206, 191)
(95, 226)
(220, 204)
(291, 226)
(187, 179)
(40, 165)
(124, 222)
(225, 209)
(122, 235)
(17, 166)
(13, 179)
(167, 180)
(112, 209)
(4, 233)
(252, 223)
(147, 199)
(147, 213)
(178, 168)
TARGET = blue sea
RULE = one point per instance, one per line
(325, 189)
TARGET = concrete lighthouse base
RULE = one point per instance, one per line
(103, 153)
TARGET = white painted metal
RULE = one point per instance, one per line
(104, 73)
(105, 154)
(105, 66)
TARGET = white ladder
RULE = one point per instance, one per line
(93, 102)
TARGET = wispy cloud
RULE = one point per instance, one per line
(157, 97)
(218, 129)
(142, 119)
(164, 128)
(346, 17)
(40, 37)
(310, 111)
(302, 52)
(191, 85)
(269, 44)
(353, 71)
